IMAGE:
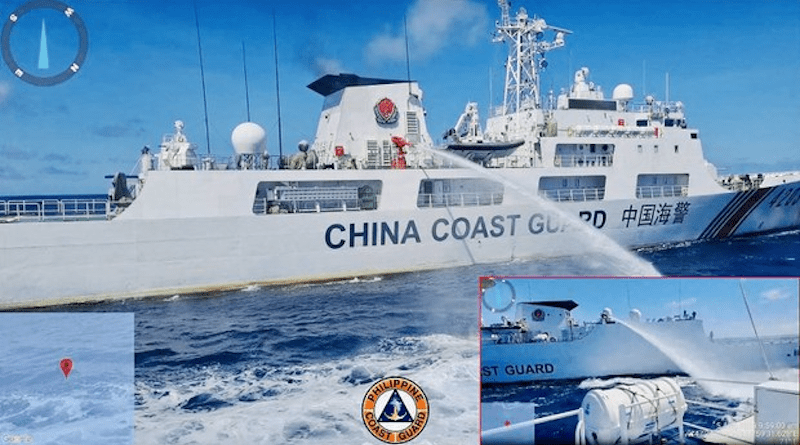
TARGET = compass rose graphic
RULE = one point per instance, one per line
(7, 42)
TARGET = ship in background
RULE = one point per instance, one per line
(524, 340)
(373, 194)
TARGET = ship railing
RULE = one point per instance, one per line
(576, 194)
(525, 428)
(515, 161)
(263, 206)
(471, 199)
(661, 191)
(584, 160)
(56, 209)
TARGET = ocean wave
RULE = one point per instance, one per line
(310, 403)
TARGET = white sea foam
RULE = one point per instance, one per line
(315, 403)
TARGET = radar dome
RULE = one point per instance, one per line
(248, 138)
(623, 92)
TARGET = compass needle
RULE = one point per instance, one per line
(44, 59)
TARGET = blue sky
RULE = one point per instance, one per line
(734, 65)
(717, 301)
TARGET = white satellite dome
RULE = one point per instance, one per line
(623, 92)
(249, 138)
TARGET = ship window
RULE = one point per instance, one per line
(655, 149)
(662, 185)
(316, 196)
(641, 122)
(694, 135)
(572, 188)
(459, 192)
(676, 149)
(574, 155)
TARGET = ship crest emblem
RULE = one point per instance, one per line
(538, 315)
(395, 410)
(385, 111)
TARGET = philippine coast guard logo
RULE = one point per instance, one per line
(395, 410)
(385, 111)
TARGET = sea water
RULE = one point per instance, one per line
(291, 364)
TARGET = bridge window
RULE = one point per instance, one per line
(662, 185)
(572, 188)
(459, 192)
(316, 196)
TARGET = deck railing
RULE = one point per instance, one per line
(577, 194)
(584, 160)
(56, 209)
(661, 191)
(471, 199)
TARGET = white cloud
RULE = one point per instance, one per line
(432, 26)
(775, 294)
(323, 65)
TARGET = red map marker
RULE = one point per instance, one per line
(66, 367)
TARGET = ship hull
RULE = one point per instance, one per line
(190, 248)
(614, 350)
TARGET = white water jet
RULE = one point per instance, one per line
(702, 363)
(628, 264)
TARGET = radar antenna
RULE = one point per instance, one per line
(527, 48)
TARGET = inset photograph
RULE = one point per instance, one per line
(67, 378)
(625, 360)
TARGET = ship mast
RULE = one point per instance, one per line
(527, 48)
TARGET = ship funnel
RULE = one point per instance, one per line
(249, 138)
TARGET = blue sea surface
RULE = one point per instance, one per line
(291, 364)
(776, 255)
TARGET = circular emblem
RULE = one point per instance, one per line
(395, 410)
(385, 111)
(538, 315)
(26, 75)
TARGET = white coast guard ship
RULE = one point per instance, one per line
(525, 340)
(371, 195)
